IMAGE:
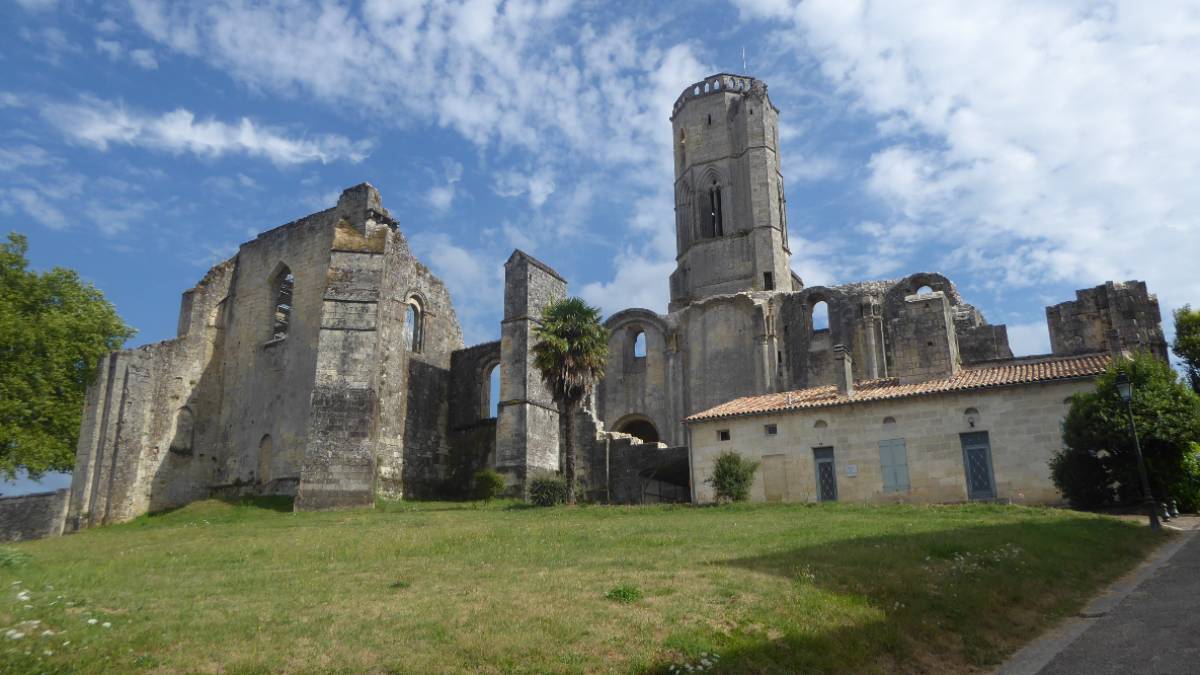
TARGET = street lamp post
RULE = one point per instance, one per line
(1125, 389)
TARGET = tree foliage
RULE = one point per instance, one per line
(732, 476)
(1187, 342)
(571, 353)
(54, 328)
(1098, 466)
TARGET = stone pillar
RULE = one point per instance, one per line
(527, 417)
(924, 339)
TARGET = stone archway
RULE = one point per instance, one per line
(640, 427)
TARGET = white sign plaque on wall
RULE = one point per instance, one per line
(851, 469)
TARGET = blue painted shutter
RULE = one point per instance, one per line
(893, 464)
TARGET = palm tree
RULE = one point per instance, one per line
(571, 353)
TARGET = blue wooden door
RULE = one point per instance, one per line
(977, 462)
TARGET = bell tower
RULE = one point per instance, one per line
(730, 210)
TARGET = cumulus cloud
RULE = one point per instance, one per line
(475, 278)
(99, 123)
(1027, 339)
(537, 185)
(1038, 142)
(441, 196)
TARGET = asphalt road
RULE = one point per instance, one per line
(1154, 629)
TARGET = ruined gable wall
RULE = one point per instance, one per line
(472, 435)
(268, 383)
(645, 387)
(724, 351)
(146, 401)
(414, 387)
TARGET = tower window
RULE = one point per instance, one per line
(768, 281)
(819, 319)
(682, 149)
(639, 346)
(282, 313)
(716, 226)
(710, 119)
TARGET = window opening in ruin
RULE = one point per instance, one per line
(682, 149)
(716, 227)
(710, 119)
(768, 281)
(723, 435)
(491, 393)
(184, 432)
(779, 362)
(282, 314)
(924, 290)
(413, 319)
(639, 345)
(820, 316)
(783, 214)
(770, 429)
(265, 448)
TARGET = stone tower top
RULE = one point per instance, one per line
(730, 210)
(715, 84)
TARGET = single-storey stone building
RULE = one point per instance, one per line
(325, 361)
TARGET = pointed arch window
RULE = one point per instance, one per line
(715, 224)
(283, 285)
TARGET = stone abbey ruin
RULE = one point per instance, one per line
(325, 361)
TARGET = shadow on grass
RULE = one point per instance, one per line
(945, 601)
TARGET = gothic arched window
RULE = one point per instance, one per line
(282, 287)
(716, 226)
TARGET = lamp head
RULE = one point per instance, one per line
(1124, 387)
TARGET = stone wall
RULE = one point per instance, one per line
(527, 425)
(33, 516)
(1023, 424)
(925, 344)
(1124, 311)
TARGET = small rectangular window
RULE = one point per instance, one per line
(768, 281)
(770, 429)
(723, 435)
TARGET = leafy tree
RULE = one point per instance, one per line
(732, 476)
(571, 353)
(54, 328)
(1099, 465)
(1187, 342)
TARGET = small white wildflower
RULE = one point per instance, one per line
(23, 596)
(92, 622)
(28, 606)
(106, 624)
(47, 633)
(13, 634)
(705, 662)
(66, 642)
(47, 652)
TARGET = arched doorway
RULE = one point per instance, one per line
(639, 427)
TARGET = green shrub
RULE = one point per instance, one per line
(1185, 489)
(547, 490)
(624, 594)
(1082, 478)
(488, 484)
(732, 475)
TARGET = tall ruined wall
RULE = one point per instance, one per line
(267, 382)
(925, 346)
(527, 424)
(414, 385)
(149, 438)
(1128, 309)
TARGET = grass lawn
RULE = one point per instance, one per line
(438, 587)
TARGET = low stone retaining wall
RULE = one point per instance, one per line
(33, 516)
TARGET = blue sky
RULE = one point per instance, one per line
(1025, 149)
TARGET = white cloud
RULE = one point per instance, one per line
(639, 282)
(25, 155)
(1036, 141)
(143, 58)
(475, 278)
(537, 185)
(37, 5)
(99, 123)
(441, 197)
(1027, 339)
(38, 208)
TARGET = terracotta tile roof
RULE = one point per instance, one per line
(1017, 371)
